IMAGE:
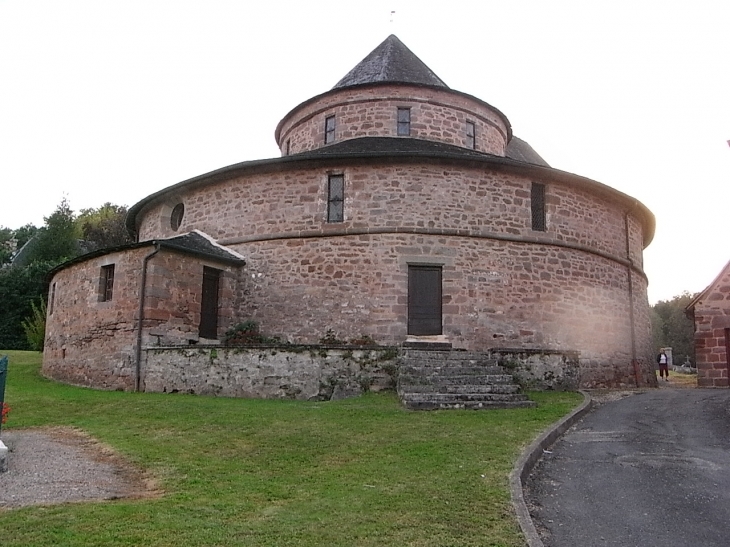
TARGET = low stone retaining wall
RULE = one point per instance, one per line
(320, 372)
(541, 369)
(271, 372)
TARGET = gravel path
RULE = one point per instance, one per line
(62, 464)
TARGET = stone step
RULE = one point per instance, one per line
(429, 380)
(447, 356)
(456, 379)
(459, 388)
(468, 405)
(451, 370)
(462, 397)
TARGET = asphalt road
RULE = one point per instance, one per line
(651, 469)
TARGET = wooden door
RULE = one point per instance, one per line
(209, 303)
(424, 300)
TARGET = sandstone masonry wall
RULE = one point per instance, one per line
(436, 115)
(712, 329)
(90, 342)
(399, 197)
(93, 343)
(504, 285)
(496, 295)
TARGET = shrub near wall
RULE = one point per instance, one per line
(270, 372)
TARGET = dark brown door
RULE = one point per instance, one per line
(424, 300)
(209, 303)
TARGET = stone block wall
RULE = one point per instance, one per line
(436, 115)
(494, 295)
(712, 333)
(275, 372)
(504, 285)
(426, 198)
(90, 342)
(541, 369)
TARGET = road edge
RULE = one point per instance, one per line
(526, 462)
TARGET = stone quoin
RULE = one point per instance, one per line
(401, 210)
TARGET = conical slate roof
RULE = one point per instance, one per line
(391, 61)
(519, 150)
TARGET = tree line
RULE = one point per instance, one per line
(672, 328)
(29, 253)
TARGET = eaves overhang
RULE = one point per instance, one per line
(167, 243)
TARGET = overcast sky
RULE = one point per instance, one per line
(113, 100)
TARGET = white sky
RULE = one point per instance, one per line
(106, 100)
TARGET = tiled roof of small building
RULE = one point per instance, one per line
(200, 244)
(194, 243)
(393, 62)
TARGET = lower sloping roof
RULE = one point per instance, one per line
(195, 243)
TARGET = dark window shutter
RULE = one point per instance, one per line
(209, 303)
(424, 300)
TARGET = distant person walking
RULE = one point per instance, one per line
(661, 359)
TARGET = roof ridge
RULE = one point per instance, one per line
(391, 61)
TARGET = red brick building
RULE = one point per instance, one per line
(710, 311)
(399, 209)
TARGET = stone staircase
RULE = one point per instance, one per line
(430, 379)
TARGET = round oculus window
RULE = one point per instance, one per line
(177, 215)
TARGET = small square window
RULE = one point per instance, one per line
(329, 129)
(471, 135)
(107, 283)
(404, 121)
(336, 198)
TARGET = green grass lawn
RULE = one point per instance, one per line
(358, 472)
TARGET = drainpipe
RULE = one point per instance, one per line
(634, 361)
(140, 314)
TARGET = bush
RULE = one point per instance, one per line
(35, 326)
(247, 333)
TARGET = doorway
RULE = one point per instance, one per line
(209, 303)
(424, 300)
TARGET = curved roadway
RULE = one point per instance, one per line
(651, 469)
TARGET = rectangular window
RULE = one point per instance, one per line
(404, 121)
(329, 129)
(107, 283)
(336, 198)
(471, 135)
(209, 303)
(537, 200)
(288, 146)
(52, 299)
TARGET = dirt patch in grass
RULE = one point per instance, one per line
(63, 464)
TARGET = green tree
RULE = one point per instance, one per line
(19, 289)
(24, 233)
(7, 245)
(103, 227)
(672, 328)
(58, 240)
(34, 326)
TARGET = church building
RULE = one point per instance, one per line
(400, 210)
